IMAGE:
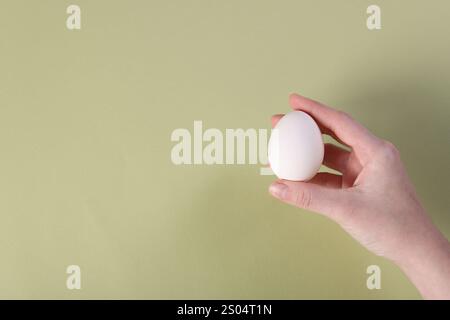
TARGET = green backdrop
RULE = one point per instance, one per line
(85, 123)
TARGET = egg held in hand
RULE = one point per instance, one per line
(296, 147)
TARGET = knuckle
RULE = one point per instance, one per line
(345, 116)
(303, 199)
(389, 150)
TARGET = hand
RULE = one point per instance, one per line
(372, 199)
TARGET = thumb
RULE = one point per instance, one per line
(327, 201)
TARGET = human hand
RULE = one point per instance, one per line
(372, 199)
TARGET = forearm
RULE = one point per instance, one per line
(427, 265)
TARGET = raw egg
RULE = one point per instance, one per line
(296, 147)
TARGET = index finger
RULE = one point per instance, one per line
(341, 124)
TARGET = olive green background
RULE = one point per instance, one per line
(85, 123)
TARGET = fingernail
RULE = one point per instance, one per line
(278, 190)
(294, 95)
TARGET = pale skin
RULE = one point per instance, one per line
(372, 199)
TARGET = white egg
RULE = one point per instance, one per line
(296, 147)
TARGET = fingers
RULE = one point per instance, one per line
(328, 180)
(309, 196)
(335, 157)
(275, 118)
(330, 133)
(342, 125)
